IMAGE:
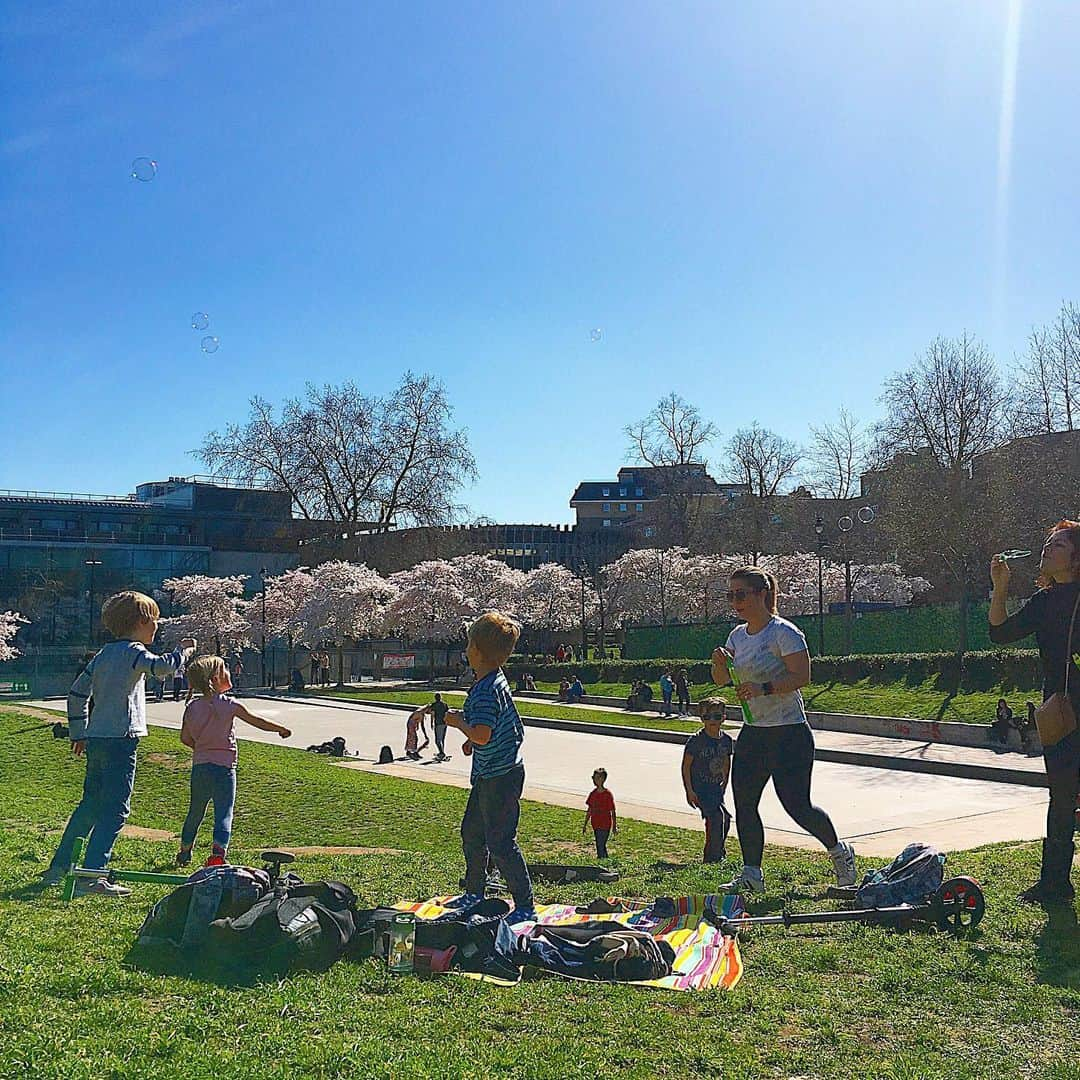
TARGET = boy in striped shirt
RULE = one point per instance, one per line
(495, 733)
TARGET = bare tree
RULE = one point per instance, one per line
(670, 440)
(765, 461)
(943, 415)
(837, 457)
(346, 456)
(1048, 378)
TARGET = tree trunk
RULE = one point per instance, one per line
(341, 665)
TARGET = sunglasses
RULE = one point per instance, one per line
(739, 594)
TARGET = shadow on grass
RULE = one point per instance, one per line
(1057, 949)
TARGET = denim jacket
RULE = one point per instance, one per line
(115, 680)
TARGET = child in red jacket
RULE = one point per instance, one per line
(600, 811)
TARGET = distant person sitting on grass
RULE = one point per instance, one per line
(600, 813)
(575, 692)
(208, 730)
(114, 681)
(640, 696)
(530, 683)
(706, 766)
(494, 734)
(564, 688)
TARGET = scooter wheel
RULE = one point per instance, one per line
(958, 905)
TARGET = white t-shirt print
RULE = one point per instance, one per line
(758, 660)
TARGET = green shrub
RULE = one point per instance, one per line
(1019, 668)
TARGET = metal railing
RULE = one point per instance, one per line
(136, 539)
(66, 496)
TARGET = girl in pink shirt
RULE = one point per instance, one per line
(208, 730)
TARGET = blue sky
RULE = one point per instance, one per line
(766, 207)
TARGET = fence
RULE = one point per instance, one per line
(902, 630)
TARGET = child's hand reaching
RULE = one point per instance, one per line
(188, 643)
(284, 732)
(466, 748)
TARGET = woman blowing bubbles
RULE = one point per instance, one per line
(773, 664)
(1048, 615)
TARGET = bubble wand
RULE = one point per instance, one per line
(747, 716)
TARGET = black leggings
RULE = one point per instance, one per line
(1063, 778)
(786, 754)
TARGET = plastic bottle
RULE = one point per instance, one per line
(402, 955)
(747, 716)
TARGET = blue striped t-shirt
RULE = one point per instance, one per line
(489, 702)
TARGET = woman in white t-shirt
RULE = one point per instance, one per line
(773, 664)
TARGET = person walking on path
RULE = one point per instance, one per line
(1052, 616)
(437, 710)
(314, 672)
(772, 663)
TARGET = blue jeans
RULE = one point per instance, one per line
(216, 783)
(490, 825)
(105, 803)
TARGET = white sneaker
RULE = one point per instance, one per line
(101, 887)
(843, 860)
(749, 880)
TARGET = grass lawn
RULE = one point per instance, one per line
(925, 700)
(842, 1001)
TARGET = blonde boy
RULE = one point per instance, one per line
(115, 680)
(495, 733)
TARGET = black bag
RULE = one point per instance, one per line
(294, 926)
(182, 918)
(386, 756)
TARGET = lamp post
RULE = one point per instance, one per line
(432, 615)
(262, 576)
(819, 531)
(584, 642)
(91, 562)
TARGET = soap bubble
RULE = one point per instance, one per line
(596, 333)
(845, 524)
(200, 320)
(210, 344)
(144, 169)
(866, 514)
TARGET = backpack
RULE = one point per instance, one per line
(386, 756)
(294, 926)
(910, 878)
(182, 918)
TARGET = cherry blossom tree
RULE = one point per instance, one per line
(286, 595)
(489, 584)
(212, 610)
(10, 621)
(346, 601)
(646, 585)
(551, 598)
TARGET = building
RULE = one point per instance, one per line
(61, 553)
(634, 501)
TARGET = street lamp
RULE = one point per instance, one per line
(584, 568)
(92, 562)
(819, 531)
(432, 616)
(262, 576)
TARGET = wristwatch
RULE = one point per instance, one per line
(766, 688)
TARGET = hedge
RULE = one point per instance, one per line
(1014, 668)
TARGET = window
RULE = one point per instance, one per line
(648, 530)
(639, 492)
(607, 523)
(622, 492)
(639, 507)
(605, 492)
(607, 508)
(622, 508)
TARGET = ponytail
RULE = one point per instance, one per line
(763, 580)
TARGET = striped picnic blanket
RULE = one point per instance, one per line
(704, 957)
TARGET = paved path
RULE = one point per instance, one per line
(879, 809)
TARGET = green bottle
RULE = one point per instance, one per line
(747, 716)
